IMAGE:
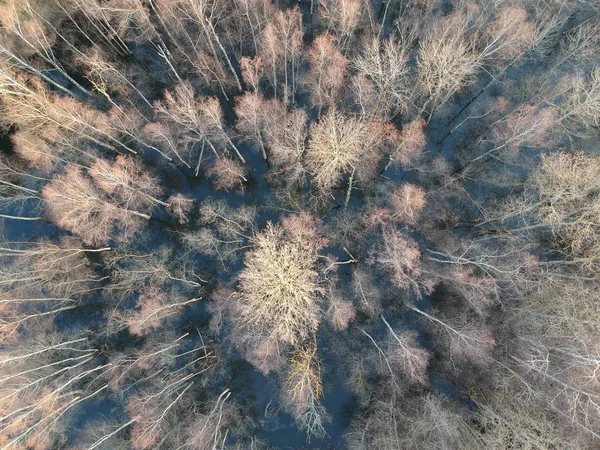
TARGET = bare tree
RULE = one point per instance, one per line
(287, 145)
(278, 288)
(407, 203)
(268, 125)
(341, 145)
(153, 307)
(526, 125)
(561, 196)
(253, 115)
(447, 62)
(180, 206)
(554, 357)
(58, 269)
(183, 21)
(227, 174)
(73, 202)
(303, 389)
(408, 145)
(340, 312)
(226, 231)
(40, 383)
(32, 106)
(28, 40)
(343, 18)
(174, 144)
(157, 406)
(281, 52)
(202, 118)
(98, 21)
(385, 64)
(209, 430)
(580, 103)
(366, 291)
(327, 75)
(403, 421)
(252, 71)
(400, 255)
(251, 18)
(49, 151)
(462, 339)
(503, 261)
(133, 271)
(507, 36)
(508, 418)
(125, 180)
(400, 354)
(116, 82)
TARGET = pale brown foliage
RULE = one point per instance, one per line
(227, 174)
(327, 74)
(212, 427)
(278, 287)
(74, 203)
(127, 181)
(303, 389)
(152, 308)
(340, 144)
(252, 71)
(407, 203)
(180, 206)
(343, 17)
(385, 66)
(400, 255)
(340, 313)
(562, 195)
(509, 35)
(281, 51)
(446, 61)
(407, 356)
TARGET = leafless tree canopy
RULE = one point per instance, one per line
(256, 224)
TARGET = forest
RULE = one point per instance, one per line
(299, 224)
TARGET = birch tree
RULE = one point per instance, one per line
(73, 202)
